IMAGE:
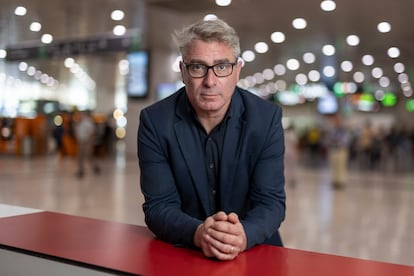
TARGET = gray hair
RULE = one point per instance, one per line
(208, 30)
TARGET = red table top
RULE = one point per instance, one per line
(133, 249)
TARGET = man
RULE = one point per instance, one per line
(211, 155)
(85, 135)
(338, 140)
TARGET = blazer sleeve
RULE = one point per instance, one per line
(163, 214)
(267, 194)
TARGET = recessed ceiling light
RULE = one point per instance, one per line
(223, 3)
(47, 38)
(328, 5)
(261, 47)
(393, 52)
(117, 15)
(299, 23)
(248, 56)
(35, 26)
(292, 64)
(367, 60)
(277, 37)
(309, 58)
(352, 40)
(20, 11)
(384, 27)
(328, 50)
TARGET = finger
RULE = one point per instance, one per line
(225, 227)
(225, 233)
(205, 247)
(220, 216)
(228, 234)
(228, 254)
(226, 243)
(233, 218)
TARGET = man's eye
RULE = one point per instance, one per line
(197, 67)
(221, 67)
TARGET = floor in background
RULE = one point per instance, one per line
(372, 218)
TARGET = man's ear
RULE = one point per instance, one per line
(181, 64)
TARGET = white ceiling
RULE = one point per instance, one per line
(255, 20)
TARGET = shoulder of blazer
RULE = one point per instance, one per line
(166, 109)
(256, 106)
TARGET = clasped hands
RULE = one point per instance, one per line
(221, 236)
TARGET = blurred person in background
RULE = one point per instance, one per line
(211, 155)
(364, 144)
(337, 142)
(291, 155)
(85, 131)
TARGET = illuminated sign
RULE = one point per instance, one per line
(64, 48)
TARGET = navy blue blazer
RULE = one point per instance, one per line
(173, 174)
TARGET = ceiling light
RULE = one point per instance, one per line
(248, 56)
(69, 62)
(31, 71)
(292, 64)
(223, 3)
(359, 77)
(403, 78)
(119, 30)
(393, 52)
(407, 90)
(251, 80)
(3, 53)
(352, 40)
(35, 26)
(47, 38)
(268, 74)
(210, 17)
(279, 69)
(301, 79)
(329, 71)
(38, 74)
(346, 66)
(277, 37)
(23, 66)
(309, 58)
(281, 85)
(379, 95)
(314, 75)
(367, 60)
(261, 47)
(384, 27)
(384, 81)
(399, 67)
(259, 78)
(377, 72)
(299, 23)
(20, 11)
(328, 5)
(117, 15)
(328, 50)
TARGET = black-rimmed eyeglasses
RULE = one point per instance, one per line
(221, 70)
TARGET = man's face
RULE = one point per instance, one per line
(210, 95)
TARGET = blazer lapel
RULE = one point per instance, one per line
(190, 147)
(231, 150)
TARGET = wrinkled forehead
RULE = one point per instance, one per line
(212, 49)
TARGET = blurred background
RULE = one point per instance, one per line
(323, 62)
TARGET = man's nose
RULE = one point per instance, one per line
(210, 78)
